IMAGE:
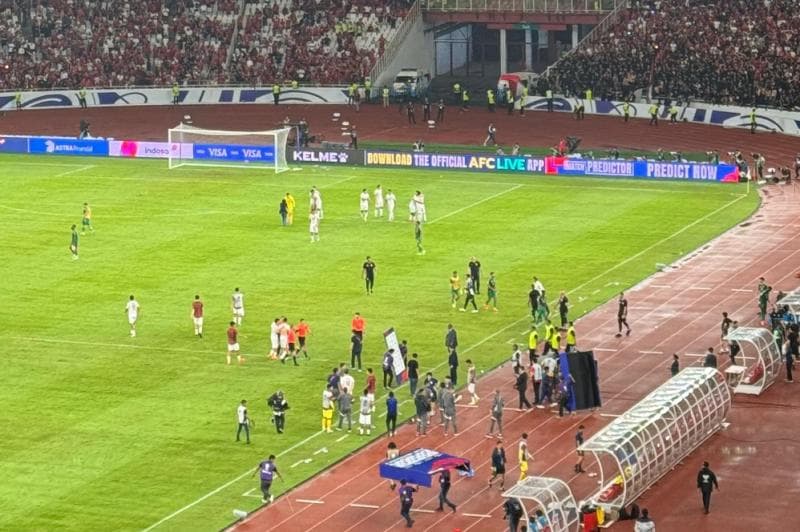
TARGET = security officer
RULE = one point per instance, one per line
(549, 95)
(673, 114)
(589, 94)
(523, 100)
(351, 94)
(368, 90)
(385, 96)
(82, 97)
(295, 84)
(426, 109)
(444, 487)
(18, 100)
(276, 93)
(277, 402)
(753, 124)
(176, 92)
(626, 110)
(464, 99)
(406, 493)
(490, 100)
(457, 92)
(653, 114)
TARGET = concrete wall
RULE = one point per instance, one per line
(417, 51)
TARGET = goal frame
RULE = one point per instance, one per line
(278, 139)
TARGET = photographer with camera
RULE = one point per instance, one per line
(277, 402)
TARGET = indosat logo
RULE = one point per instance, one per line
(139, 149)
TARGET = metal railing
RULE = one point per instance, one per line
(390, 51)
(596, 33)
(526, 6)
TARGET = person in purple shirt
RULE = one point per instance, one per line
(267, 471)
(406, 493)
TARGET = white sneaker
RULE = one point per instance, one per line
(462, 310)
(271, 498)
(475, 311)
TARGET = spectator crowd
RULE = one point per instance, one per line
(742, 52)
(101, 43)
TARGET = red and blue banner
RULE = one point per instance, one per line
(418, 466)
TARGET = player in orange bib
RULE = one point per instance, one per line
(302, 331)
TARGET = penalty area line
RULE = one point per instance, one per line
(475, 204)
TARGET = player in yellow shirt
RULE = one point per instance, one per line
(455, 289)
(86, 222)
(523, 457)
(533, 341)
(290, 203)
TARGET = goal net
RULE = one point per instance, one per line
(196, 146)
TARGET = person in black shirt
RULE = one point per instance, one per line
(410, 113)
(426, 109)
(675, 367)
(368, 270)
(353, 138)
(710, 361)
(622, 316)
(475, 272)
(444, 487)
(498, 465)
(355, 351)
(533, 302)
(578, 443)
(563, 308)
(522, 386)
(440, 112)
(513, 513)
(706, 482)
(413, 374)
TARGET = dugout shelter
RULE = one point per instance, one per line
(652, 437)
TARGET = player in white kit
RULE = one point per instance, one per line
(378, 202)
(391, 201)
(237, 306)
(419, 203)
(364, 204)
(273, 338)
(132, 310)
(313, 225)
(315, 201)
(283, 335)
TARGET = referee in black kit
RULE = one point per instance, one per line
(622, 316)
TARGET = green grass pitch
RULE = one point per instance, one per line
(102, 431)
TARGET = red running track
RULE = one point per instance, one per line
(677, 310)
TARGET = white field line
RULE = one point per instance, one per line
(470, 348)
(103, 344)
(182, 214)
(475, 204)
(75, 170)
(309, 501)
(47, 164)
(359, 505)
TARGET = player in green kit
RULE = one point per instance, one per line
(491, 293)
(418, 237)
(86, 222)
(73, 247)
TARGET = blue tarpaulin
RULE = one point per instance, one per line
(419, 465)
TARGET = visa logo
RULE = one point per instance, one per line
(250, 153)
(218, 152)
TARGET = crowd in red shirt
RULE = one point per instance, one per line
(313, 41)
(101, 43)
(723, 51)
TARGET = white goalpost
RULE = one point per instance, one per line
(194, 146)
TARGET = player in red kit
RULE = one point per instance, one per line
(233, 343)
(371, 383)
(197, 316)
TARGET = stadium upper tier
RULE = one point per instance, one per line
(723, 51)
(70, 43)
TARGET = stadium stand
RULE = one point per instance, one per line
(725, 51)
(69, 43)
(341, 40)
